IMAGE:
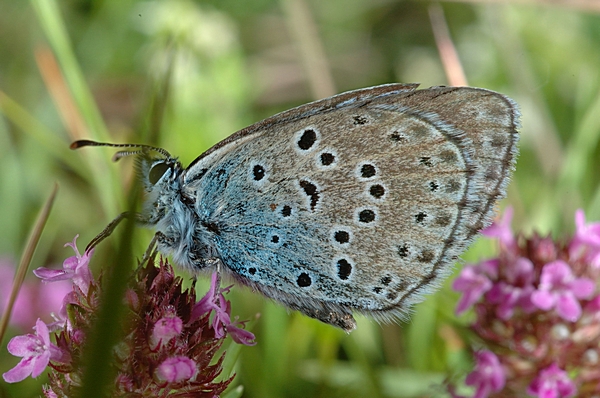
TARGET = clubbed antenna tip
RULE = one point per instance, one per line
(81, 143)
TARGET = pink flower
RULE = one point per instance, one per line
(560, 289)
(501, 229)
(165, 329)
(75, 268)
(171, 347)
(176, 369)
(587, 237)
(488, 375)
(537, 284)
(515, 291)
(36, 351)
(552, 382)
(473, 282)
(240, 335)
(214, 301)
(208, 302)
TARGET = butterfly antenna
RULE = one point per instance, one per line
(143, 148)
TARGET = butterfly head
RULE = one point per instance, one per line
(157, 170)
(151, 169)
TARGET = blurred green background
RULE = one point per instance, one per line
(185, 74)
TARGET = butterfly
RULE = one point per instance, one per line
(360, 202)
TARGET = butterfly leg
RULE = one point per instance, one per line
(202, 263)
(194, 257)
(152, 248)
(109, 229)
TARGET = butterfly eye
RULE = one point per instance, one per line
(157, 171)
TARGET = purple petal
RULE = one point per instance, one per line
(23, 346)
(525, 301)
(241, 336)
(595, 257)
(586, 240)
(566, 388)
(467, 300)
(219, 330)
(70, 264)
(483, 391)
(473, 285)
(586, 233)
(207, 303)
(73, 245)
(552, 382)
(202, 307)
(489, 268)
(41, 330)
(543, 299)
(496, 294)
(223, 310)
(568, 307)
(51, 275)
(582, 288)
(594, 305)
(488, 374)
(495, 369)
(19, 372)
(520, 272)
(40, 363)
(506, 308)
(83, 270)
(555, 273)
(501, 229)
(59, 355)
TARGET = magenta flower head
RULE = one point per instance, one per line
(171, 344)
(537, 309)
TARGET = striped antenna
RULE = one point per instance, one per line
(143, 148)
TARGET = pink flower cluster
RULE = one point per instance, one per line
(537, 310)
(170, 339)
